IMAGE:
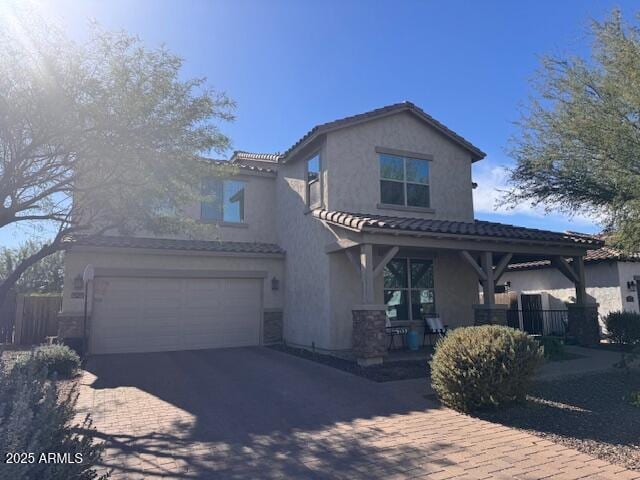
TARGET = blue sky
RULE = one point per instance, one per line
(292, 64)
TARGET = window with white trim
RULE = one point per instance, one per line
(408, 289)
(404, 181)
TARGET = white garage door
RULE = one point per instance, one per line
(159, 314)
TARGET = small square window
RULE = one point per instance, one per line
(224, 200)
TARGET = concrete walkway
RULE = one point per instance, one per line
(592, 360)
(257, 413)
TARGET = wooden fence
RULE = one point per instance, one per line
(7, 318)
(36, 318)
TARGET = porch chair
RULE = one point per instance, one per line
(392, 332)
(433, 326)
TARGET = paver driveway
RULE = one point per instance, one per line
(254, 413)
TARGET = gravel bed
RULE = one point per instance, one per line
(9, 354)
(587, 412)
(387, 372)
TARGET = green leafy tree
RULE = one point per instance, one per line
(44, 276)
(578, 147)
(99, 136)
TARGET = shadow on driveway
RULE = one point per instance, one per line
(247, 413)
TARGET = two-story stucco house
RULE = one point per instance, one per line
(364, 220)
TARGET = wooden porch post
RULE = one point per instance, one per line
(366, 273)
(488, 285)
(581, 284)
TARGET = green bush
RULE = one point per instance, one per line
(36, 416)
(623, 327)
(634, 398)
(486, 366)
(58, 360)
(553, 348)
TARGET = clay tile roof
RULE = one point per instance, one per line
(240, 155)
(389, 109)
(602, 254)
(241, 166)
(170, 244)
(478, 228)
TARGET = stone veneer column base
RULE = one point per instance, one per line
(368, 337)
(583, 323)
(71, 330)
(272, 327)
(490, 314)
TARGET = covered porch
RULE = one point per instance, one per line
(410, 269)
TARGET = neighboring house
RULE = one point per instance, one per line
(363, 219)
(612, 279)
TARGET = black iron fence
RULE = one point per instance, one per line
(539, 322)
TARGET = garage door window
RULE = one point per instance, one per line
(224, 201)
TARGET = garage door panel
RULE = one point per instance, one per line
(160, 314)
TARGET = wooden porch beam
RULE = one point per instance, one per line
(502, 266)
(340, 245)
(471, 261)
(392, 252)
(353, 259)
(561, 264)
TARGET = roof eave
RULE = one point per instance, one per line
(476, 153)
(480, 238)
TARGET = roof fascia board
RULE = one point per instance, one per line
(476, 155)
(167, 251)
(452, 242)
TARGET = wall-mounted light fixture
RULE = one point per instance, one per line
(275, 284)
(631, 286)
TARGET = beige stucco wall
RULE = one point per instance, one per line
(353, 167)
(307, 295)
(602, 285)
(259, 222)
(75, 262)
(629, 271)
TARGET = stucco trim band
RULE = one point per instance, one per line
(171, 273)
(404, 153)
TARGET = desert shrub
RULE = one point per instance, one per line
(36, 416)
(58, 360)
(552, 347)
(623, 327)
(486, 366)
(634, 398)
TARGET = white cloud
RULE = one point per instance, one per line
(492, 182)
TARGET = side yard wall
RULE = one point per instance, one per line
(602, 285)
(629, 271)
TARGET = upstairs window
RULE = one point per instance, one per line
(314, 189)
(404, 181)
(224, 201)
